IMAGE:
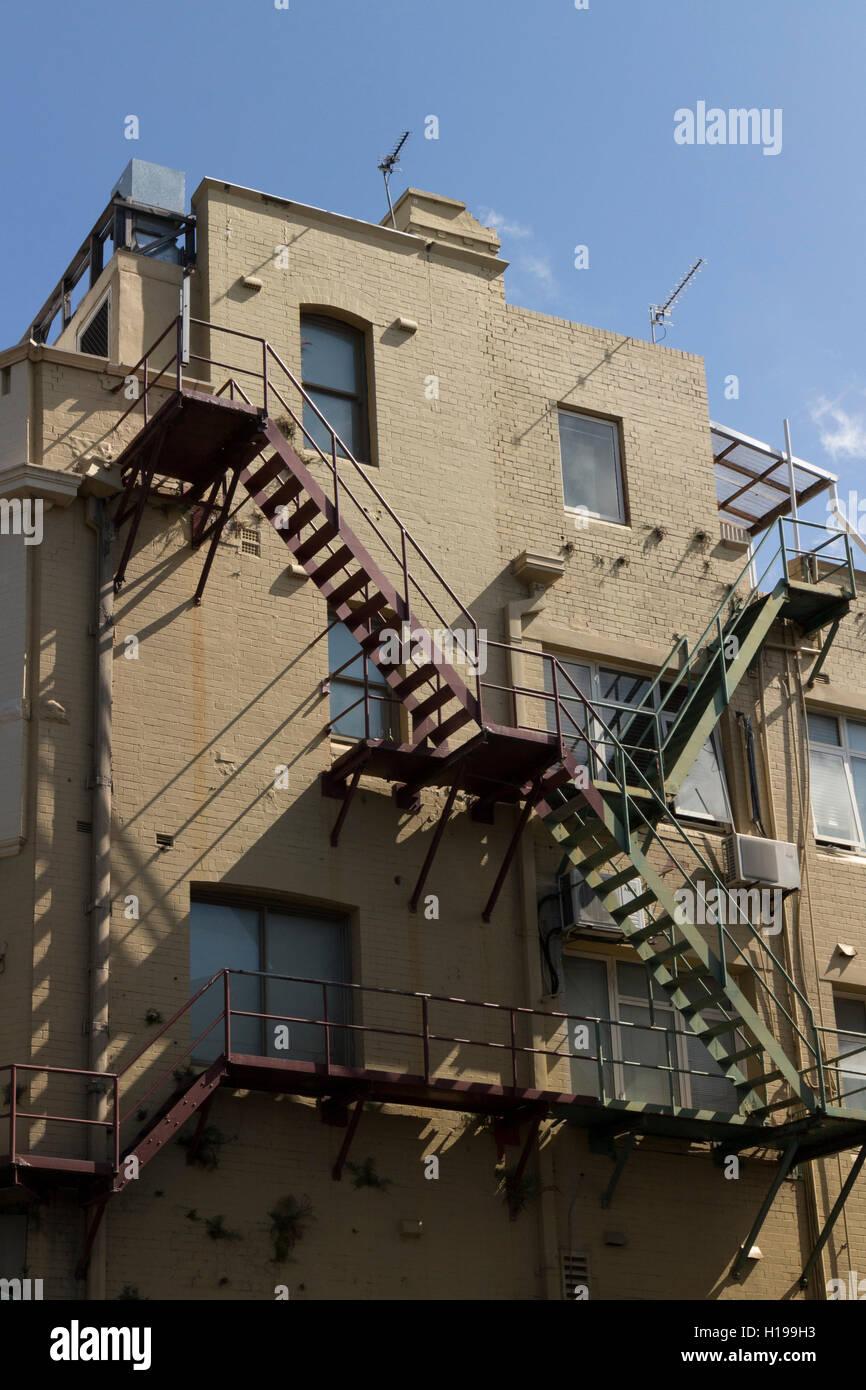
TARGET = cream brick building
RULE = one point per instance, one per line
(162, 815)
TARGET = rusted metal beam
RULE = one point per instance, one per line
(434, 846)
(337, 1170)
(512, 849)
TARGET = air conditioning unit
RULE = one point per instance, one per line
(751, 860)
(583, 911)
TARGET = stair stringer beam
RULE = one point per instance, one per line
(723, 690)
(166, 1126)
(378, 581)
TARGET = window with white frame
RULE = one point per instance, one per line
(647, 1051)
(615, 694)
(851, 1050)
(837, 765)
(592, 479)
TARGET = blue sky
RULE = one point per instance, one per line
(557, 122)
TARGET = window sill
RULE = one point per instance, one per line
(854, 854)
(583, 520)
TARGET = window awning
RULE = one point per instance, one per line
(752, 484)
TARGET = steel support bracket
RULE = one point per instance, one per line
(435, 843)
(785, 1165)
(823, 654)
(833, 1216)
(337, 1170)
(534, 1123)
(620, 1158)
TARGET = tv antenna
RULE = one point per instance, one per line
(660, 314)
(387, 168)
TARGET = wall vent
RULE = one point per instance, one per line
(251, 541)
(84, 826)
(165, 841)
(93, 338)
(575, 1277)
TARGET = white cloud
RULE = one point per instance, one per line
(843, 434)
(503, 225)
(539, 268)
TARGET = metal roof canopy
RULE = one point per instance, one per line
(752, 480)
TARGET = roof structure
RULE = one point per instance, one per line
(752, 481)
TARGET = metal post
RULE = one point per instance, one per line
(425, 1024)
(227, 1006)
(265, 375)
(116, 1122)
(184, 317)
(13, 1137)
(405, 572)
(327, 1027)
(792, 486)
(513, 1031)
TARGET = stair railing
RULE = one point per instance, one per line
(711, 643)
(271, 373)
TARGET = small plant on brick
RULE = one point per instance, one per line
(192, 1215)
(153, 1016)
(217, 1229)
(289, 1221)
(518, 1192)
(365, 1175)
(184, 1074)
(204, 1149)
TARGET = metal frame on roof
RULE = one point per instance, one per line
(753, 481)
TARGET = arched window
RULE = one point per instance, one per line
(334, 374)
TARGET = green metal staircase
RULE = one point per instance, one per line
(613, 818)
(696, 683)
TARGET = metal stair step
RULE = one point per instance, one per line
(620, 914)
(358, 616)
(350, 587)
(266, 474)
(753, 1082)
(284, 494)
(715, 1030)
(443, 696)
(451, 725)
(299, 519)
(754, 1050)
(416, 678)
(656, 928)
(601, 856)
(338, 561)
(614, 881)
(679, 948)
(315, 542)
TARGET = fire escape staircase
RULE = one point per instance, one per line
(608, 817)
(611, 812)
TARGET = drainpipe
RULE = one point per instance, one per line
(548, 1242)
(100, 903)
